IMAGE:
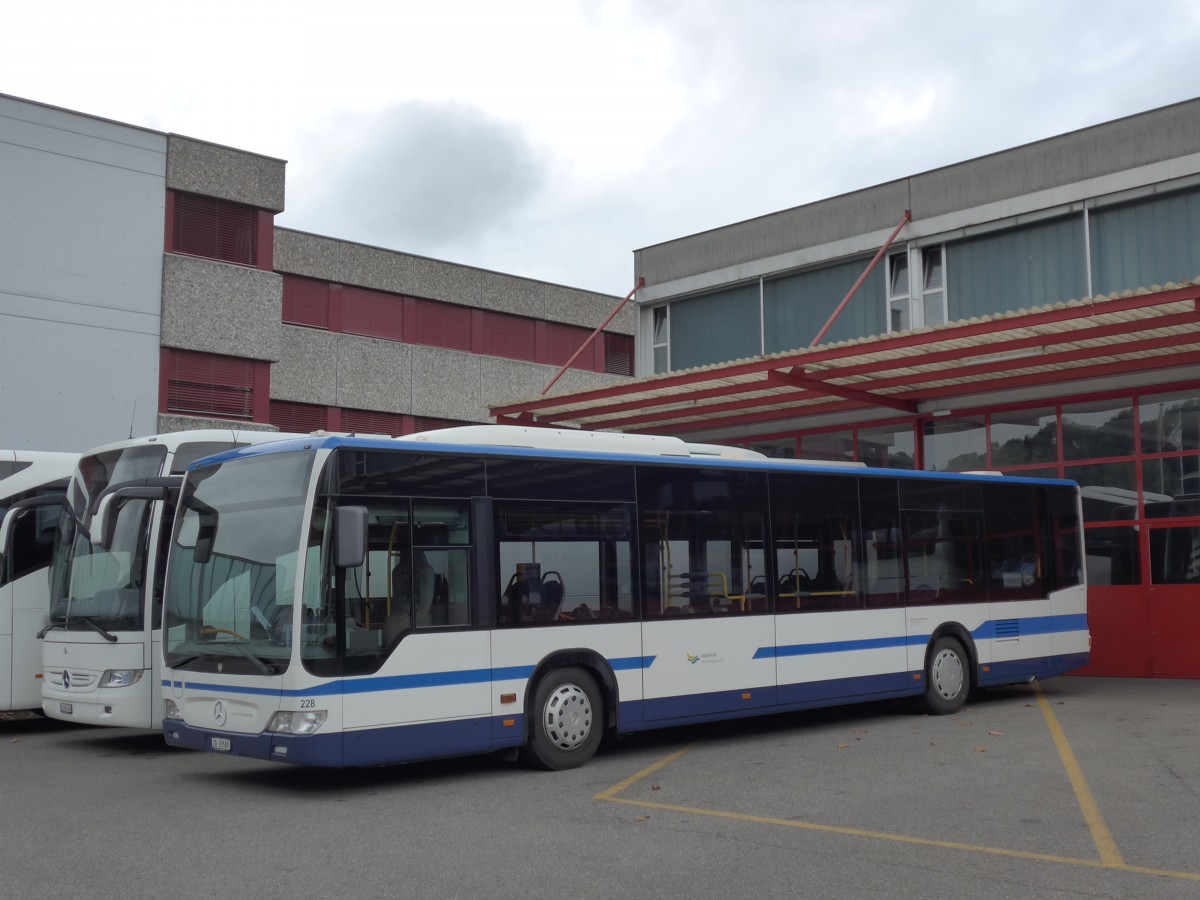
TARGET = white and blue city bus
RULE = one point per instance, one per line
(342, 601)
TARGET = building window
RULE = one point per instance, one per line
(214, 229)
(917, 301)
(618, 354)
(661, 341)
(372, 313)
(204, 384)
(933, 286)
(305, 302)
(900, 306)
(298, 417)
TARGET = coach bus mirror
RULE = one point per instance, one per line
(350, 537)
(108, 508)
(20, 508)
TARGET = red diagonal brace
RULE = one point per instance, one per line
(641, 282)
(861, 278)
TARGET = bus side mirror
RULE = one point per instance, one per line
(104, 521)
(350, 537)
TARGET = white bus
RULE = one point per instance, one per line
(29, 482)
(100, 648)
(348, 602)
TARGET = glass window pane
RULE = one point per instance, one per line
(836, 445)
(1098, 430)
(779, 448)
(1109, 490)
(660, 360)
(660, 325)
(934, 304)
(815, 528)
(890, 448)
(1170, 422)
(1166, 482)
(955, 445)
(1023, 437)
(1112, 555)
(702, 542)
(1175, 555)
(1016, 562)
(932, 259)
(898, 284)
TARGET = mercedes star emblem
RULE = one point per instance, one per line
(219, 713)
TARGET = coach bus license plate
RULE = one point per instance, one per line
(66, 708)
(220, 743)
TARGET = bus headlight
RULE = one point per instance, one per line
(296, 722)
(120, 678)
(171, 710)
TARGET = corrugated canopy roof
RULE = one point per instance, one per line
(1076, 341)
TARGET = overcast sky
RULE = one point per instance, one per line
(550, 139)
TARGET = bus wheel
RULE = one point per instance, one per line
(946, 677)
(566, 721)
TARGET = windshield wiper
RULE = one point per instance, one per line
(263, 666)
(41, 634)
(96, 626)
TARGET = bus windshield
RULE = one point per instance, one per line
(232, 568)
(91, 587)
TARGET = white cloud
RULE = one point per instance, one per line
(550, 138)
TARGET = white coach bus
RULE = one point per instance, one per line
(341, 601)
(100, 649)
(29, 483)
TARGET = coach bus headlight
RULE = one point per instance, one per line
(297, 722)
(120, 678)
(171, 710)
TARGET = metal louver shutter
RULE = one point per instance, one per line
(297, 417)
(207, 385)
(305, 302)
(512, 337)
(564, 340)
(372, 313)
(442, 325)
(215, 229)
(367, 422)
(618, 354)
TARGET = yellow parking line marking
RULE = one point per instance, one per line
(1110, 856)
(634, 779)
(1106, 846)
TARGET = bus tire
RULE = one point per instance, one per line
(566, 720)
(947, 677)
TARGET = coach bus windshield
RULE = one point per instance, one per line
(94, 588)
(232, 569)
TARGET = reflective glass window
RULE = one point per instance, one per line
(1112, 555)
(1098, 430)
(955, 445)
(892, 447)
(1023, 437)
(1170, 422)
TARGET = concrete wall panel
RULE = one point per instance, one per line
(215, 171)
(214, 307)
(307, 368)
(373, 374)
(446, 384)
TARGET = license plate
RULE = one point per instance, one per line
(66, 708)
(222, 744)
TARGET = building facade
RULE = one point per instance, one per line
(1034, 311)
(144, 287)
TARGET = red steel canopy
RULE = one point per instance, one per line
(1067, 343)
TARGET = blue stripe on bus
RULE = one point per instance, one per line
(987, 631)
(1034, 625)
(400, 682)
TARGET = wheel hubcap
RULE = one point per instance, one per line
(947, 672)
(568, 717)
